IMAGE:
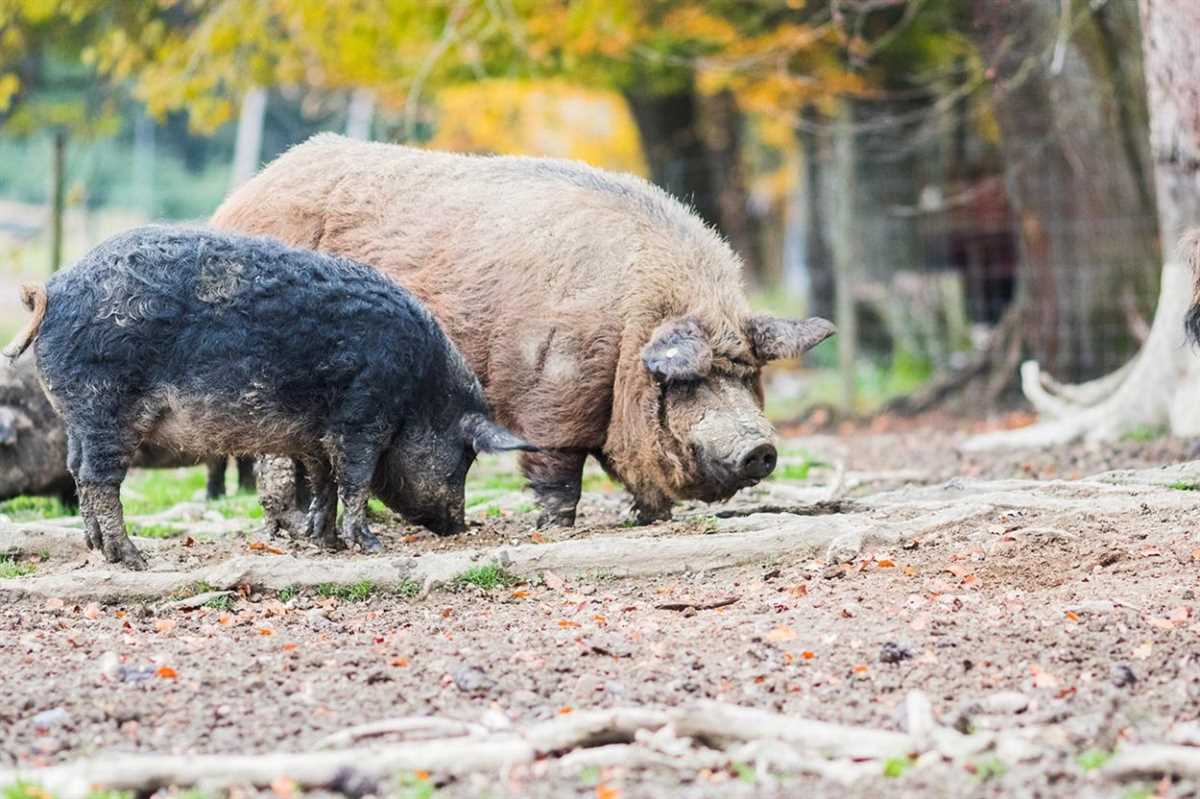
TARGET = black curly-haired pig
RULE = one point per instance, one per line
(216, 342)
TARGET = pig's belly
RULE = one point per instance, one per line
(236, 426)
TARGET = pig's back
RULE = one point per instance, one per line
(226, 315)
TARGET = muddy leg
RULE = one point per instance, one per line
(650, 509)
(215, 489)
(245, 470)
(91, 526)
(353, 465)
(104, 503)
(279, 483)
(321, 522)
(556, 478)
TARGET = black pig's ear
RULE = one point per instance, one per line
(678, 351)
(484, 435)
(774, 338)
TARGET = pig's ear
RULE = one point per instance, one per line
(484, 435)
(774, 338)
(678, 351)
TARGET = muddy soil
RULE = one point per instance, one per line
(1081, 627)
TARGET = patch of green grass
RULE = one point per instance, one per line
(408, 589)
(1184, 486)
(110, 795)
(1145, 432)
(526, 507)
(355, 592)
(504, 481)
(376, 508)
(598, 482)
(989, 769)
(796, 471)
(152, 490)
(24, 790)
(589, 775)
(152, 530)
(10, 567)
(287, 593)
(1093, 759)
(1141, 792)
(222, 602)
(493, 512)
(896, 766)
(239, 506)
(745, 773)
(189, 591)
(26, 509)
(414, 786)
(487, 577)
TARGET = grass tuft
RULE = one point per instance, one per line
(28, 509)
(356, 592)
(152, 530)
(489, 577)
(1093, 759)
(1182, 485)
(10, 567)
(288, 593)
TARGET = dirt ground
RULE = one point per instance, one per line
(1051, 624)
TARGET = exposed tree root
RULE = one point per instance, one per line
(1156, 389)
(1148, 761)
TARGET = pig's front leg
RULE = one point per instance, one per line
(321, 521)
(104, 512)
(353, 468)
(556, 477)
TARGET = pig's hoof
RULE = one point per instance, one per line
(93, 540)
(556, 518)
(360, 536)
(642, 516)
(123, 551)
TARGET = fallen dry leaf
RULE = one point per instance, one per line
(567, 624)
(909, 571)
(262, 546)
(164, 626)
(166, 672)
(283, 788)
(861, 668)
(798, 590)
(781, 633)
(565, 709)
(807, 655)
(520, 594)
(400, 662)
(265, 631)
(1072, 616)
(604, 791)
(54, 603)
(92, 611)
(885, 564)
(289, 647)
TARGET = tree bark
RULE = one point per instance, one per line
(817, 258)
(248, 147)
(1075, 180)
(58, 191)
(720, 124)
(1161, 385)
(692, 146)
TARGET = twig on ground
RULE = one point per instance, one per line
(716, 603)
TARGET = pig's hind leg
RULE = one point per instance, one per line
(556, 477)
(321, 521)
(353, 466)
(99, 460)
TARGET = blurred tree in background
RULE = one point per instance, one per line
(923, 170)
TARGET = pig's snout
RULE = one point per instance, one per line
(443, 524)
(755, 462)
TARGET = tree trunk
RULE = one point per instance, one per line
(1159, 388)
(1075, 181)
(817, 257)
(845, 250)
(248, 147)
(720, 129)
(359, 114)
(692, 147)
(58, 192)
